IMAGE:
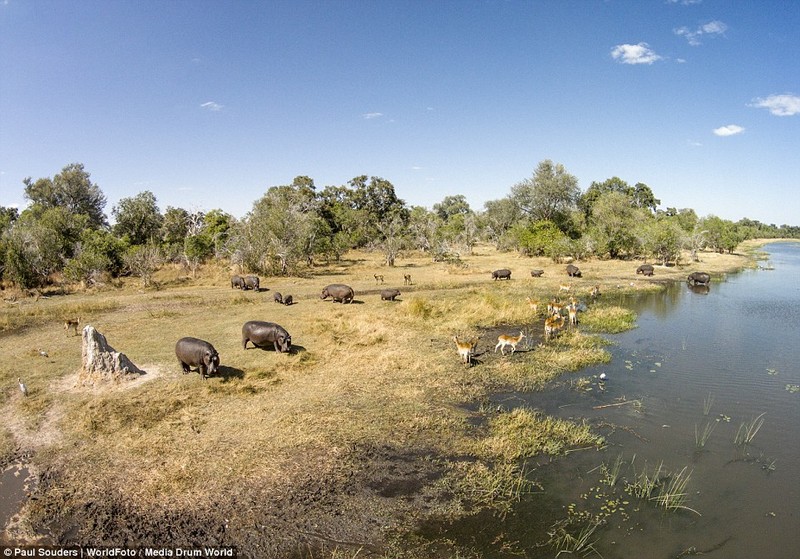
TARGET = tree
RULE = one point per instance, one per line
(71, 190)
(98, 252)
(452, 206)
(498, 216)
(615, 225)
(174, 226)
(663, 238)
(393, 238)
(548, 195)
(138, 218)
(143, 261)
(539, 238)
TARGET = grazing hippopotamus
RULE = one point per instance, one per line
(252, 282)
(199, 354)
(263, 333)
(277, 297)
(338, 292)
(537, 273)
(573, 271)
(288, 300)
(645, 269)
(389, 294)
(503, 273)
(699, 278)
(237, 282)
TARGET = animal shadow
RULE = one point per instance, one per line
(229, 373)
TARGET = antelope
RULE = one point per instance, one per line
(504, 339)
(595, 292)
(573, 315)
(555, 309)
(406, 279)
(552, 325)
(564, 287)
(534, 304)
(378, 278)
(71, 324)
(466, 349)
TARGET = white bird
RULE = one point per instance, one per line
(22, 387)
(603, 376)
(43, 353)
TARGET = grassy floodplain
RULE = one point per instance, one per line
(371, 425)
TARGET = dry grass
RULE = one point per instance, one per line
(360, 374)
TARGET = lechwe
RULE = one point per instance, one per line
(504, 339)
(466, 349)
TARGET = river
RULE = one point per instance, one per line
(701, 369)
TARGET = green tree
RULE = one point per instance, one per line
(664, 238)
(539, 238)
(497, 218)
(143, 261)
(615, 225)
(452, 206)
(98, 252)
(550, 194)
(71, 190)
(138, 218)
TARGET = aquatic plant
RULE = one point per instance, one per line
(672, 495)
(701, 436)
(748, 430)
(611, 473)
(580, 544)
(708, 401)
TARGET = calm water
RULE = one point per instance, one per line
(738, 345)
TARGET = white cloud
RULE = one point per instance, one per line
(370, 116)
(212, 106)
(711, 28)
(684, 2)
(634, 54)
(779, 105)
(729, 130)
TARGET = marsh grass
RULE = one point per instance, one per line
(701, 436)
(566, 540)
(608, 318)
(708, 402)
(748, 430)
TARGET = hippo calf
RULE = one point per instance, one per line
(645, 269)
(389, 294)
(537, 273)
(263, 333)
(338, 292)
(573, 271)
(277, 297)
(288, 300)
(503, 273)
(237, 282)
(199, 354)
(699, 278)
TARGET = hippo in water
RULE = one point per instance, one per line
(199, 354)
(699, 278)
(264, 333)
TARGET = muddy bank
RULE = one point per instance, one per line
(353, 504)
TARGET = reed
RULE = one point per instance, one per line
(708, 401)
(748, 430)
(701, 436)
(673, 496)
(580, 543)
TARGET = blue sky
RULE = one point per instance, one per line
(208, 104)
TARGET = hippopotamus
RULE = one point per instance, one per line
(263, 333)
(288, 300)
(573, 271)
(537, 273)
(277, 297)
(389, 294)
(503, 273)
(338, 292)
(196, 353)
(699, 278)
(237, 282)
(645, 269)
(251, 282)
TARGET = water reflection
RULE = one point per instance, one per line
(701, 367)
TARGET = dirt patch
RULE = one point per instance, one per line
(349, 502)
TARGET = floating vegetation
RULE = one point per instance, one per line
(748, 430)
(723, 417)
(708, 401)
(611, 473)
(772, 372)
(793, 388)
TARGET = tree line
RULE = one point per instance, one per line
(64, 233)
